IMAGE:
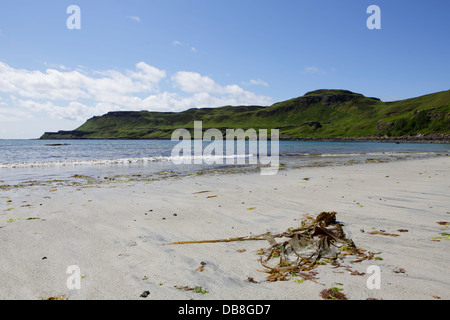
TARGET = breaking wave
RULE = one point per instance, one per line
(123, 161)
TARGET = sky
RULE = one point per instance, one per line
(59, 66)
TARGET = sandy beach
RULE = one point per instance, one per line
(117, 234)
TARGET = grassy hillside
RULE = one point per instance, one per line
(317, 114)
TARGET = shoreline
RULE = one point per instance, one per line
(82, 176)
(438, 138)
(443, 138)
(117, 233)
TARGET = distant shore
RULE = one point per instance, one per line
(433, 138)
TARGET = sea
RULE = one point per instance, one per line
(39, 161)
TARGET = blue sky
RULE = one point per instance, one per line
(171, 55)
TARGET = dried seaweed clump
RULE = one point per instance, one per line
(317, 241)
(55, 298)
(332, 294)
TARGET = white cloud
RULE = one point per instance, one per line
(56, 66)
(80, 94)
(73, 111)
(195, 82)
(72, 85)
(177, 43)
(313, 70)
(147, 74)
(8, 114)
(135, 18)
(258, 82)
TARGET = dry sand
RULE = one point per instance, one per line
(117, 234)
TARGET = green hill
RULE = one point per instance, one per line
(318, 114)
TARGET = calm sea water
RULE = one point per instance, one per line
(24, 160)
